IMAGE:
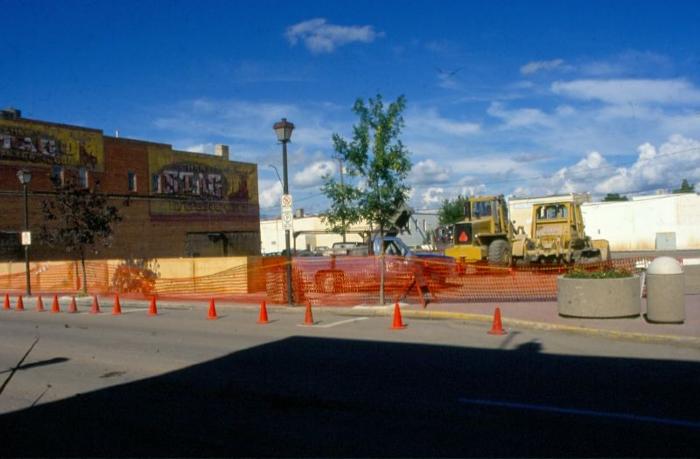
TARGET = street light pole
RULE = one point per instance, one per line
(342, 186)
(290, 294)
(284, 129)
(25, 177)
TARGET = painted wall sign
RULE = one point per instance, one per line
(204, 186)
(25, 141)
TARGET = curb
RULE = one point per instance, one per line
(376, 311)
(470, 317)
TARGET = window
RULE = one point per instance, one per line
(482, 209)
(83, 178)
(155, 183)
(132, 181)
(57, 175)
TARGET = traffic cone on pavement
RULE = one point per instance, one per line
(55, 308)
(117, 309)
(398, 322)
(497, 327)
(6, 305)
(73, 308)
(308, 316)
(95, 305)
(153, 309)
(212, 310)
(262, 319)
(39, 304)
(20, 304)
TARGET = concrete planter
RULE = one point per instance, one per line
(599, 298)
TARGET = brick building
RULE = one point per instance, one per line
(173, 203)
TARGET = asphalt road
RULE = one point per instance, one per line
(180, 385)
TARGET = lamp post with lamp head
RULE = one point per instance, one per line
(284, 129)
(25, 176)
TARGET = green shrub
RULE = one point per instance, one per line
(610, 273)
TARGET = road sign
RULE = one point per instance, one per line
(286, 201)
(287, 214)
(26, 238)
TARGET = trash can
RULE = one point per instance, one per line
(665, 291)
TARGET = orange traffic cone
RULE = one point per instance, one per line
(20, 304)
(55, 308)
(39, 304)
(262, 319)
(497, 327)
(6, 305)
(398, 322)
(212, 310)
(95, 305)
(309, 316)
(73, 308)
(117, 309)
(153, 309)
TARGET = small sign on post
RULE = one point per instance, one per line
(287, 214)
(26, 238)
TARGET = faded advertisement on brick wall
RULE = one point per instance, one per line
(197, 185)
(29, 142)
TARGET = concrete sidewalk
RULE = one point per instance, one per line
(544, 315)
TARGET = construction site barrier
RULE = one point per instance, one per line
(328, 281)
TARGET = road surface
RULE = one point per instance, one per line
(180, 385)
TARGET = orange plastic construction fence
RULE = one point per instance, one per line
(329, 281)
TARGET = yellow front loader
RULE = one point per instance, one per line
(485, 233)
(558, 236)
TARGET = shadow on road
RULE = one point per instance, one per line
(327, 397)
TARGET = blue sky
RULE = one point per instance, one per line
(524, 98)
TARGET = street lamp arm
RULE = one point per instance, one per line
(276, 172)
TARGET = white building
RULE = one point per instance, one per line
(311, 232)
(655, 222)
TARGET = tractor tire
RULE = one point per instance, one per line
(499, 253)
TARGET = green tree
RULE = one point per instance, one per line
(614, 197)
(452, 211)
(343, 211)
(685, 187)
(78, 219)
(378, 164)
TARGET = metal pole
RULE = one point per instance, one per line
(290, 294)
(26, 247)
(342, 185)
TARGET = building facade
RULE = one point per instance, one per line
(172, 203)
(311, 233)
(654, 222)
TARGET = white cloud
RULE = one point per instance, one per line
(201, 148)
(427, 122)
(321, 37)
(521, 117)
(536, 66)
(654, 168)
(432, 195)
(629, 91)
(270, 193)
(428, 171)
(313, 174)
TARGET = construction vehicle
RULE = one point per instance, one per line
(487, 234)
(558, 236)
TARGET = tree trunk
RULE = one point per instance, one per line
(82, 263)
(382, 265)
